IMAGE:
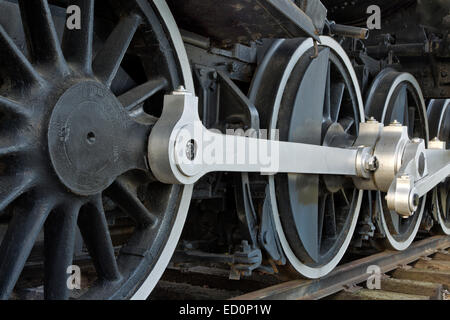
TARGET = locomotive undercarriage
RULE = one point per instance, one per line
(372, 178)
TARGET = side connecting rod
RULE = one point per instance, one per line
(181, 151)
(438, 170)
(199, 151)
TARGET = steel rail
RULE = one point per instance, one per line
(349, 274)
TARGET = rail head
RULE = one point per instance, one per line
(348, 274)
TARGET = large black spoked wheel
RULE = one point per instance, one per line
(76, 110)
(396, 96)
(439, 121)
(313, 100)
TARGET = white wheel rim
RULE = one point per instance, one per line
(163, 261)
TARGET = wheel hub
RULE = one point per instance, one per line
(82, 137)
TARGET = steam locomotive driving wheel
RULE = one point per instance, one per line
(439, 119)
(395, 98)
(76, 109)
(311, 95)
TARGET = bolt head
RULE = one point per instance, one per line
(395, 123)
(191, 150)
(181, 91)
(372, 164)
(414, 202)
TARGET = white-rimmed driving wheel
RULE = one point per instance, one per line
(439, 120)
(76, 109)
(396, 96)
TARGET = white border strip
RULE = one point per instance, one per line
(163, 261)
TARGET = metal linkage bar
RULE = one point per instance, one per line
(216, 152)
(348, 274)
(383, 158)
(182, 150)
(438, 169)
(349, 31)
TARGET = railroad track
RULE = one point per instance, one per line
(422, 272)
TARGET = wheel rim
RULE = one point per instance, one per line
(441, 206)
(86, 102)
(397, 96)
(314, 254)
(439, 119)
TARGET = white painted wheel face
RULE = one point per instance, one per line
(152, 279)
(301, 266)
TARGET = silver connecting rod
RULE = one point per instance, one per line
(181, 150)
(199, 151)
(438, 162)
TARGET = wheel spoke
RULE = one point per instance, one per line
(135, 154)
(59, 241)
(344, 195)
(138, 95)
(347, 123)
(12, 150)
(12, 188)
(122, 194)
(139, 115)
(400, 106)
(13, 64)
(95, 232)
(43, 43)
(411, 121)
(330, 218)
(327, 104)
(11, 107)
(396, 221)
(445, 203)
(306, 207)
(77, 43)
(306, 123)
(406, 108)
(337, 94)
(108, 60)
(319, 73)
(23, 229)
(443, 196)
(322, 208)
